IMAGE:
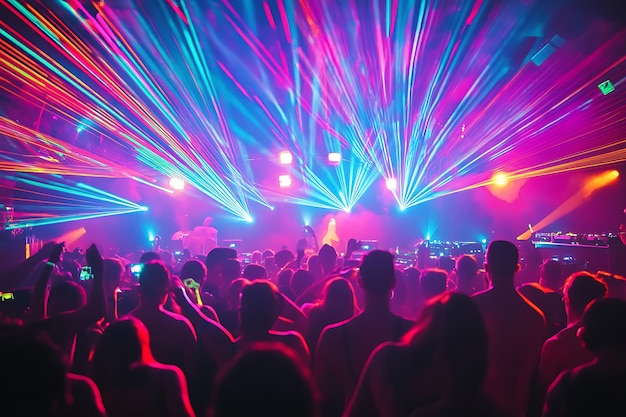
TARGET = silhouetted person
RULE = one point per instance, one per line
(259, 311)
(437, 370)
(300, 281)
(564, 350)
(172, 337)
(338, 304)
(596, 388)
(264, 380)
(253, 271)
(467, 279)
(132, 383)
(327, 258)
(433, 282)
(344, 348)
(36, 382)
(516, 331)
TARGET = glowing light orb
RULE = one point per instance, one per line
(177, 183)
(285, 158)
(334, 158)
(284, 181)
(500, 179)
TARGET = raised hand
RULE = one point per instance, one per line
(94, 259)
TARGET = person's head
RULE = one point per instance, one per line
(604, 326)
(412, 279)
(451, 329)
(283, 257)
(300, 281)
(214, 263)
(194, 269)
(433, 282)
(284, 279)
(113, 272)
(580, 289)
(231, 271)
(551, 275)
(234, 292)
(154, 281)
(377, 273)
(260, 307)
(315, 267)
(466, 268)
(256, 257)
(254, 271)
(502, 262)
(149, 257)
(65, 296)
(327, 258)
(123, 344)
(338, 296)
(207, 222)
(264, 380)
(34, 374)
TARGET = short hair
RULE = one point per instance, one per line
(149, 256)
(283, 257)
(254, 271)
(300, 281)
(195, 269)
(378, 271)
(581, 288)
(433, 282)
(327, 258)
(154, 279)
(259, 307)
(604, 325)
(552, 272)
(231, 270)
(502, 258)
(466, 266)
(217, 257)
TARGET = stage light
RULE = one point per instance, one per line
(402, 207)
(391, 184)
(285, 158)
(177, 183)
(249, 219)
(143, 208)
(500, 179)
(150, 236)
(334, 158)
(284, 181)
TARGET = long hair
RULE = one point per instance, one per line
(338, 299)
(122, 345)
(451, 327)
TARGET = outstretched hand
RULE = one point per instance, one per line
(94, 259)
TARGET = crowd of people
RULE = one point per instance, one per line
(308, 334)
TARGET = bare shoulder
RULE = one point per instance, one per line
(333, 332)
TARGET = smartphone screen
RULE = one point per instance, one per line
(135, 269)
(85, 273)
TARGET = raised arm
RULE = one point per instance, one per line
(39, 301)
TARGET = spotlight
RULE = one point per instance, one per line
(285, 158)
(391, 184)
(284, 181)
(248, 219)
(177, 183)
(500, 179)
(334, 158)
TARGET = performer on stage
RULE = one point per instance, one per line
(202, 239)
